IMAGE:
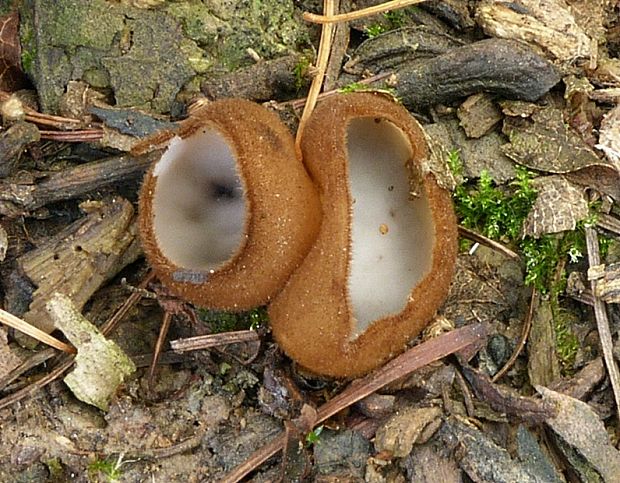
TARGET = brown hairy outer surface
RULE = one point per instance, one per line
(283, 216)
(311, 318)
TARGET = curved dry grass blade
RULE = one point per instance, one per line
(325, 46)
(357, 14)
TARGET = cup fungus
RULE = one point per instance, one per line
(385, 253)
(228, 211)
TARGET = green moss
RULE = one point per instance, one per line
(107, 470)
(567, 344)
(359, 87)
(454, 163)
(496, 213)
(219, 321)
(55, 468)
(499, 213)
(375, 30)
(300, 72)
(314, 436)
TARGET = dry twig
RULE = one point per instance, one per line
(602, 322)
(483, 240)
(213, 340)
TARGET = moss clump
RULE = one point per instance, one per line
(105, 470)
(499, 213)
(496, 213)
(300, 72)
(219, 321)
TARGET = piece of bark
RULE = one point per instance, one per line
(18, 199)
(581, 385)
(4, 243)
(529, 451)
(482, 459)
(476, 155)
(608, 283)
(609, 136)
(79, 259)
(342, 453)
(13, 141)
(430, 463)
(478, 115)
(8, 359)
(508, 68)
(12, 77)
(454, 12)
(132, 122)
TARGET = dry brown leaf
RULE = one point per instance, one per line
(558, 207)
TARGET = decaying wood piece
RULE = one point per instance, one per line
(548, 24)
(17, 199)
(11, 75)
(81, 258)
(543, 366)
(506, 400)
(609, 136)
(485, 461)
(259, 82)
(506, 67)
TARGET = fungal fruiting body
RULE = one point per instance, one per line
(228, 211)
(385, 253)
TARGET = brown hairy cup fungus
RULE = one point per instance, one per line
(384, 257)
(228, 211)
